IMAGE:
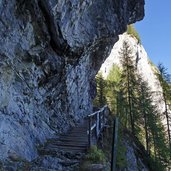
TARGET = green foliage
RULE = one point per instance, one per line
(145, 111)
(128, 86)
(114, 74)
(154, 132)
(121, 161)
(132, 31)
(165, 81)
(157, 140)
(95, 155)
(112, 87)
(100, 99)
(153, 66)
(121, 157)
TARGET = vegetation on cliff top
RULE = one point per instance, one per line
(133, 32)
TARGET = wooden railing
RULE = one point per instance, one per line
(96, 121)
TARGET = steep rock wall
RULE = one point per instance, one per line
(50, 51)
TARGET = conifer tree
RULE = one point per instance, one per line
(100, 100)
(113, 87)
(165, 80)
(159, 143)
(144, 102)
(155, 140)
(128, 83)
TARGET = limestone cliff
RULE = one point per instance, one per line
(50, 52)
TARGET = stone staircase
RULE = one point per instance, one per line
(70, 148)
(65, 152)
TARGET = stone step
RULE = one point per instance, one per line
(59, 147)
(70, 143)
(79, 132)
(69, 163)
(84, 145)
(55, 151)
(67, 139)
(74, 137)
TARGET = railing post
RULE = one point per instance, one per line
(89, 133)
(96, 122)
(114, 144)
(97, 125)
(100, 122)
(103, 118)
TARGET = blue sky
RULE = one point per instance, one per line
(155, 31)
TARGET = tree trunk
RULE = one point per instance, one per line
(168, 124)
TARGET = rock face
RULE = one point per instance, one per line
(50, 51)
(135, 155)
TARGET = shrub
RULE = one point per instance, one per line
(95, 155)
(132, 31)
